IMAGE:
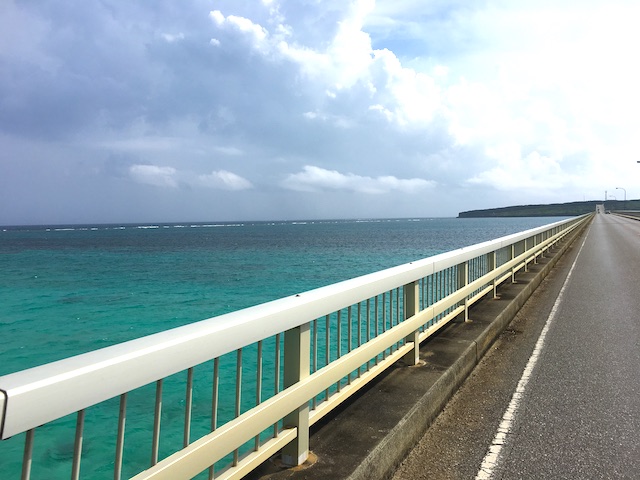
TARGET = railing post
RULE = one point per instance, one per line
(513, 269)
(296, 367)
(411, 307)
(463, 280)
(492, 260)
(526, 250)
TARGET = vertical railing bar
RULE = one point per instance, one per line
(215, 390)
(368, 319)
(398, 313)
(327, 347)
(391, 314)
(444, 280)
(384, 320)
(360, 325)
(77, 446)
(27, 456)
(339, 343)
(258, 387)
(339, 335)
(368, 324)
(426, 293)
(276, 382)
(259, 374)
(349, 336)
(445, 285)
(421, 305)
(238, 382)
(122, 418)
(359, 313)
(449, 272)
(435, 286)
(214, 404)
(432, 289)
(236, 452)
(376, 320)
(349, 328)
(155, 443)
(187, 408)
(314, 358)
(454, 287)
(384, 312)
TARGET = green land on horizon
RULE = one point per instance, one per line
(553, 209)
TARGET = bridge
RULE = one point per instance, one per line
(575, 414)
(318, 362)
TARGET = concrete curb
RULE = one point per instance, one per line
(388, 454)
(382, 461)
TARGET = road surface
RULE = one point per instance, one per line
(577, 414)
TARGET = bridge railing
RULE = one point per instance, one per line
(251, 383)
(633, 214)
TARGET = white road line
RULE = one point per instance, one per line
(490, 461)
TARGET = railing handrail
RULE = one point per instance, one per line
(102, 374)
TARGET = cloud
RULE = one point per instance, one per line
(233, 151)
(154, 175)
(513, 171)
(163, 176)
(224, 180)
(170, 38)
(314, 179)
(499, 102)
(256, 32)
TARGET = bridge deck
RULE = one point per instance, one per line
(579, 413)
(393, 413)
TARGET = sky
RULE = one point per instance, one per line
(221, 110)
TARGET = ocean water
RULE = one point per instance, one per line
(65, 290)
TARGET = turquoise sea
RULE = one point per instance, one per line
(66, 290)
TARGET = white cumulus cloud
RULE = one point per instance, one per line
(314, 179)
(225, 180)
(244, 25)
(154, 175)
(170, 37)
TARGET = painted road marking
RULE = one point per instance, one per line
(490, 461)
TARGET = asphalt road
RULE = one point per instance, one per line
(579, 415)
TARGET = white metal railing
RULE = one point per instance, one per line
(303, 355)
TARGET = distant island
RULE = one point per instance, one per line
(553, 209)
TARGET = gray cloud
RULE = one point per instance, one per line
(287, 108)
